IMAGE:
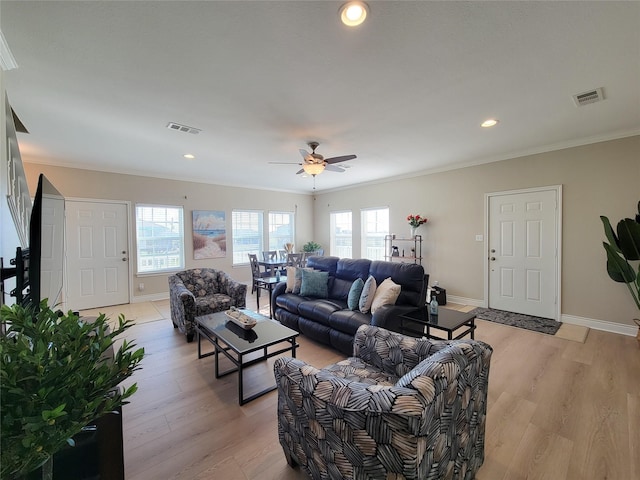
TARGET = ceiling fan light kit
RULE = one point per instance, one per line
(354, 13)
(313, 168)
(314, 164)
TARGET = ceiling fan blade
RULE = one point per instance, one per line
(304, 153)
(334, 168)
(284, 163)
(343, 158)
(300, 171)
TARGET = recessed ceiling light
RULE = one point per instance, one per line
(489, 123)
(189, 156)
(353, 13)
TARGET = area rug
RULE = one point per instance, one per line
(528, 322)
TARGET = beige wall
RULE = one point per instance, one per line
(602, 178)
(597, 179)
(86, 184)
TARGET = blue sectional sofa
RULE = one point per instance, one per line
(329, 320)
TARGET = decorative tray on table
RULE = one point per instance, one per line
(240, 318)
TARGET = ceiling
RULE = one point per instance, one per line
(97, 83)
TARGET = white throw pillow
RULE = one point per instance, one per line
(291, 279)
(366, 297)
(386, 294)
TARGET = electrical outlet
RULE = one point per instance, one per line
(479, 238)
(141, 287)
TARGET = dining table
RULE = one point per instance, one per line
(272, 265)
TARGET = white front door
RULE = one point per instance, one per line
(97, 254)
(523, 252)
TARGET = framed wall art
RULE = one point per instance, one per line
(209, 234)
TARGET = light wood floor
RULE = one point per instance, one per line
(558, 409)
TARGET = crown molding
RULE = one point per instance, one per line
(7, 60)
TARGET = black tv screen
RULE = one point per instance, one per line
(46, 245)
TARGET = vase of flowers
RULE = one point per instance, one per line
(414, 222)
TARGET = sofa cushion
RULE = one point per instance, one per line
(319, 310)
(325, 264)
(386, 294)
(353, 299)
(350, 269)
(409, 275)
(354, 369)
(314, 284)
(290, 301)
(368, 292)
(348, 321)
(217, 302)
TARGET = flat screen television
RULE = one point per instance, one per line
(40, 268)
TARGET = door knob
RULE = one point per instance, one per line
(493, 250)
(123, 252)
(124, 259)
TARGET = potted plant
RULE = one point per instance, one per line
(58, 373)
(311, 247)
(622, 249)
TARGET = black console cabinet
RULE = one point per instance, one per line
(97, 455)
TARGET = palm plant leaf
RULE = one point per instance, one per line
(617, 267)
(610, 234)
(629, 238)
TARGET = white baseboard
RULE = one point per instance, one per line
(465, 301)
(619, 328)
(150, 298)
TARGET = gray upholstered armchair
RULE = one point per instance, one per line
(401, 407)
(201, 291)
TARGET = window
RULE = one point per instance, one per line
(281, 229)
(159, 238)
(341, 234)
(375, 225)
(247, 233)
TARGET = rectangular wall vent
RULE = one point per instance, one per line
(585, 98)
(183, 128)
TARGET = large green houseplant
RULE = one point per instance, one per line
(57, 375)
(623, 250)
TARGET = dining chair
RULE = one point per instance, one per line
(295, 259)
(270, 255)
(256, 274)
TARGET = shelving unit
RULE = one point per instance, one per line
(404, 246)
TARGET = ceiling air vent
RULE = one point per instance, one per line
(592, 96)
(183, 128)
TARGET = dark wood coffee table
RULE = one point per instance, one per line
(420, 322)
(236, 343)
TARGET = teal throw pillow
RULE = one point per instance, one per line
(353, 300)
(314, 284)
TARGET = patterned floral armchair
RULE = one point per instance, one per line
(400, 408)
(201, 291)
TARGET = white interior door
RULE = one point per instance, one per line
(51, 264)
(523, 252)
(97, 254)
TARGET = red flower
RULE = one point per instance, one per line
(416, 220)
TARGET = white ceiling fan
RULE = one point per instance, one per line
(313, 163)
